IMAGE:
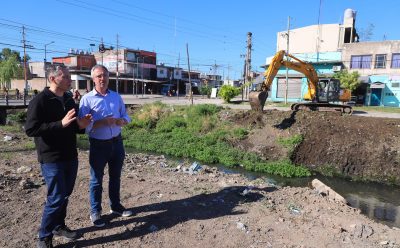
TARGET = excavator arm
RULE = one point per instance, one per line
(257, 98)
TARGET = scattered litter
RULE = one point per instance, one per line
(246, 190)
(194, 168)
(294, 210)
(178, 168)
(241, 226)
(7, 138)
(163, 165)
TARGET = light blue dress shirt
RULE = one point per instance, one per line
(99, 106)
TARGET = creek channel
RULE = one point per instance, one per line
(377, 201)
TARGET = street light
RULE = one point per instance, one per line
(45, 60)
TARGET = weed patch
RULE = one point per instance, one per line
(196, 132)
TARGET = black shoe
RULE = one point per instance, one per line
(45, 243)
(96, 219)
(121, 211)
(66, 233)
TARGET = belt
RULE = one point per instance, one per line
(116, 138)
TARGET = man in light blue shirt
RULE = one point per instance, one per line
(109, 116)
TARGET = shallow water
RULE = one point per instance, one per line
(377, 201)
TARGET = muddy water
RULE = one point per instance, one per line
(378, 202)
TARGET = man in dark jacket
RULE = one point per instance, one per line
(52, 121)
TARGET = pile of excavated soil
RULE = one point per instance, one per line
(360, 147)
(177, 208)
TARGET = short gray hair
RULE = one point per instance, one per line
(98, 67)
(54, 70)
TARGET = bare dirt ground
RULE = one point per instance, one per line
(174, 208)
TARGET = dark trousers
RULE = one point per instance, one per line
(101, 153)
(60, 180)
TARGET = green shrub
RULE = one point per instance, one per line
(291, 141)
(18, 117)
(228, 92)
(240, 133)
(170, 123)
(205, 91)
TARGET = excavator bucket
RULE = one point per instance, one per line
(257, 100)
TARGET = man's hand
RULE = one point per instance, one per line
(68, 118)
(108, 121)
(84, 121)
(120, 122)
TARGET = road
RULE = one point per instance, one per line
(237, 104)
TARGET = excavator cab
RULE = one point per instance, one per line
(328, 90)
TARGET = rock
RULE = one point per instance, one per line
(324, 190)
(24, 169)
(241, 226)
(362, 231)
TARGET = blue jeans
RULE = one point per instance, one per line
(101, 153)
(60, 180)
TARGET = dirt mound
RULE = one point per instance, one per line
(353, 146)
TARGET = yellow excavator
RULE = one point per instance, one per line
(319, 94)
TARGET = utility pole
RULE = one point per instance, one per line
(137, 74)
(25, 71)
(102, 44)
(190, 82)
(244, 75)
(215, 73)
(229, 67)
(45, 60)
(248, 60)
(116, 82)
(177, 87)
(287, 59)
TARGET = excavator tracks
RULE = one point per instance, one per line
(344, 109)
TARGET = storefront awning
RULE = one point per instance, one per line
(377, 85)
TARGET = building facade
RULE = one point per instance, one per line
(334, 47)
(378, 64)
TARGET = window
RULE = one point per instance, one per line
(396, 60)
(161, 71)
(361, 62)
(395, 85)
(380, 61)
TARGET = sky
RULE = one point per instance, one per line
(213, 33)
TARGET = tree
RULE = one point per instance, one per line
(367, 33)
(10, 66)
(7, 53)
(348, 80)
